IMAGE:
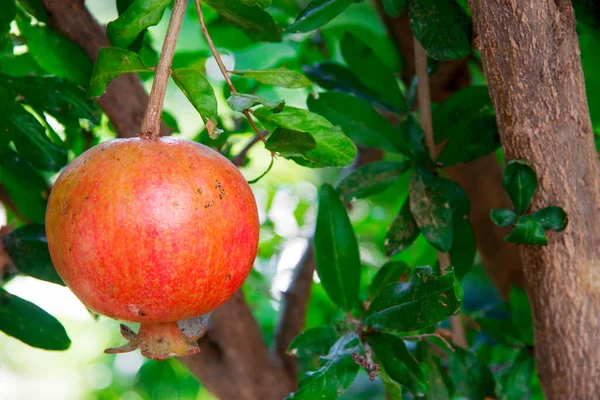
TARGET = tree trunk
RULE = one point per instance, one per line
(530, 56)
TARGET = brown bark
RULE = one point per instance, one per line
(530, 54)
(481, 179)
(125, 99)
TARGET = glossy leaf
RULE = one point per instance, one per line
(336, 250)
(442, 27)
(30, 199)
(520, 313)
(254, 21)
(470, 376)
(424, 301)
(518, 383)
(520, 182)
(389, 273)
(316, 14)
(313, 342)
(335, 376)
(35, 8)
(8, 11)
(111, 63)
(394, 7)
(240, 102)
(399, 364)
(503, 217)
(393, 390)
(288, 142)
(333, 148)
(359, 120)
(437, 389)
(56, 54)
(30, 324)
(55, 96)
(528, 231)
(371, 70)
(140, 15)
(201, 94)
(402, 232)
(282, 77)
(552, 218)
(260, 3)
(371, 179)
(29, 136)
(27, 248)
(430, 209)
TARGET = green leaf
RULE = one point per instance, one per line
(437, 390)
(503, 217)
(8, 11)
(528, 231)
(553, 218)
(371, 179)
(442, 27)
(397, 361)
(317, 14)
(518, 383)
(336, 250)
(30, 324)
(431, 209)
(456, 113)
(30, 199)
(240, 102)
(335, 376)
(201, 94)
(424, 301)
(520, 313)
(359, 120)
(260, 3)
(389, 273)
(332, 76)
(255, 22)
(313, 342)
(520, 182)
(140, 15)
(402, 232)
(394, 7)
(464, 246)
(29, 136)
(27, 248)
(56, 96)
(111, 63)
(288, 142)
(470, 376)
(56, 54)
(282, 77)
(371, 71)
(333, 149)
(35, 8)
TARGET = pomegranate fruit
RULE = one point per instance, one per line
(152, 231)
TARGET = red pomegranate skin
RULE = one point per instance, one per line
(152, 230)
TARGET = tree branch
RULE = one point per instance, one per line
(125, 99)
(481, 179)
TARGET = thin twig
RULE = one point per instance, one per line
(424, 102)
(151, 123)
(222, 67)
(238, 160)
(366, 361)
(428, 335)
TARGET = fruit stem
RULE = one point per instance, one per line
(151, 123)
(221, 65)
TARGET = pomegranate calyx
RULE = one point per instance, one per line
(158, 341)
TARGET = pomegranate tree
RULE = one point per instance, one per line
(153, 231)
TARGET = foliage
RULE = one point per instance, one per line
(320, 81)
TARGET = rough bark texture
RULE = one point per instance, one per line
(530, 54)
(125, 99)
(234, 362)
(481, 179)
